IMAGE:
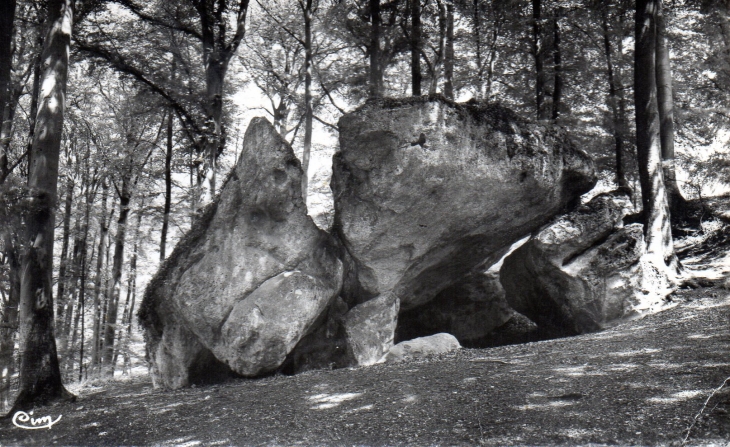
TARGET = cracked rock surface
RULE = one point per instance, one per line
(249, 280)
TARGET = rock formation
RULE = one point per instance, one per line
(422, 346)
(251, 278)
(580, 273)
(427, 192)
(370, 328)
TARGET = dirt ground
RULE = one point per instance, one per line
(641, 383)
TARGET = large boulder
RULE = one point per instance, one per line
(251, 278)
(581, 273)
(427, 191)
(370, 328)
(421, 347)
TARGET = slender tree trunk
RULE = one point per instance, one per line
(193, 188)
(478, 49)
(449, 56)
(35, 93)
(619, 120)
(214, 76)
(101, 256)
(90, 194)
(116, 278)
(64, 248)
(9, 317)
(376, 75)
(491, 61)
(82, 302)
(666, 112)
(64, 325)
(438, 61)
(538, 52)
(416, 48)
(7, 16)
(74, 310)
(168, 189)
(6, 129)
(308, 112)
(40, 376)
(131, 281)
(648, 145)
(558, 65)
(722, 11)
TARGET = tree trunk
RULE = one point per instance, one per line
(308, 112)
(34, 96)
(125, 326)
(666, 112)
(648, 146)
(90, 195)
(449, 56)
(214, 139)
(438, 61)
(558, 66)
(9, 317)
(168, 190)
(63, 325)
(116, 278)
(75, 311)
(416, 48)
(722, 11)
(82, 300)
(375, 71)
(40, 376)
(7, 114)
(618, 117)
(217, 54)
(478, 49)
(538, 52)
(100, 257)
(64, 248)
(7, 16)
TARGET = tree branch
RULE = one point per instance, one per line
(137, 10)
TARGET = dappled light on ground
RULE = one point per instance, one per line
(641, 383)
(679, 396)
(327, 401)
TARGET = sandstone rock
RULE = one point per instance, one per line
(253, 275)
(471, 310)
(423, 346)
(324, 348)
(580, 273)
(417, 216)
(178, 359)
(370, 328)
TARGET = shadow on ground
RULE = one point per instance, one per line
(642, 383)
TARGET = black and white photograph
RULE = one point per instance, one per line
(364, 223)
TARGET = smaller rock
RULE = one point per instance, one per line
(583, 272)
(370, 328)
(421, 347)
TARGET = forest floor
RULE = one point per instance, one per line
(641, 383)
(651, 381)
